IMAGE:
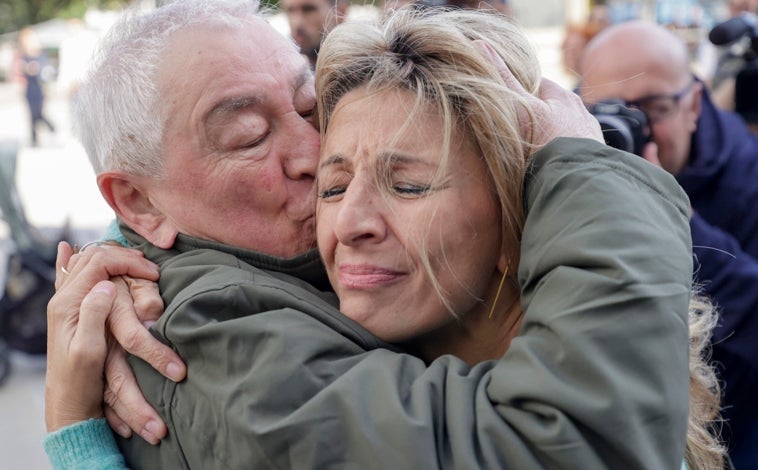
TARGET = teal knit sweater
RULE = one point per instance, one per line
(87, 445)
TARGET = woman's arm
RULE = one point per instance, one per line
(77, 353)
(83, 446)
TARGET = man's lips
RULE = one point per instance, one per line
(364, 276)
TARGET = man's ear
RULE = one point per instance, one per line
(132, 204)
(697, 102)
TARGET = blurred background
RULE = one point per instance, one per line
(47, 189)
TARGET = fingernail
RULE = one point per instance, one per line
(124, 431)
(150, 432)
(149, 438)
(153, 427)
(175, 371)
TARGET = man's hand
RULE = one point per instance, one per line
(555, 112)
(650, 153)
(138, 305)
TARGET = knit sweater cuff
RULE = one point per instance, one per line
(112, 232)
(85, 445)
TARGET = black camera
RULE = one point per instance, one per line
(742, 30)
(623, 127)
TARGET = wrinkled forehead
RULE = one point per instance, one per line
(393, 110)
(219, 67)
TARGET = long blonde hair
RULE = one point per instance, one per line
(704, 449)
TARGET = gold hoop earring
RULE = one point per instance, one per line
(497, 294)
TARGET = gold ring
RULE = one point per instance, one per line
(65, 271)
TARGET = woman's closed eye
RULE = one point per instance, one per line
(405, 190)
(408, 189)
(332, 192)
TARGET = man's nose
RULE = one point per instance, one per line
(303, 152)
(295, 20)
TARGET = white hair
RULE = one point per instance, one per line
(117, 112)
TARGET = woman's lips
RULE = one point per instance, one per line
(365, 276)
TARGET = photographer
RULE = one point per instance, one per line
(714, 157)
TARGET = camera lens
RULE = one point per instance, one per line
(623, 128)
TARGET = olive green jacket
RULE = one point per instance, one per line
(598, 377)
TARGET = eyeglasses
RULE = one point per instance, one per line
(659, 107)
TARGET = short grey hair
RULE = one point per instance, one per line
(117, 112)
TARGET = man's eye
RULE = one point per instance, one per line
(311, 116)
(332, 192)
(254, 142)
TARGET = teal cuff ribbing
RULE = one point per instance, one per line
(87, 445)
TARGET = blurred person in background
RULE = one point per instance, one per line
(731, 59)
(577, 35)
(714, 157)
(311, 20)
(74, 55)
(31, 65)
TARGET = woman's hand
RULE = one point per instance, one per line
(76, 353)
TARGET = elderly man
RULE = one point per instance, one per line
(311, 20)
(198, 122)
(714, 157)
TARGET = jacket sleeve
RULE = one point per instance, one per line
(598, 377)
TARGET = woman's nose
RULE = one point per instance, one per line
(360, 217)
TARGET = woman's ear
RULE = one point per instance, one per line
(131, 202)
(503, 263)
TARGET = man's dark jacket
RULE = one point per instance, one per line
(721, 181)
